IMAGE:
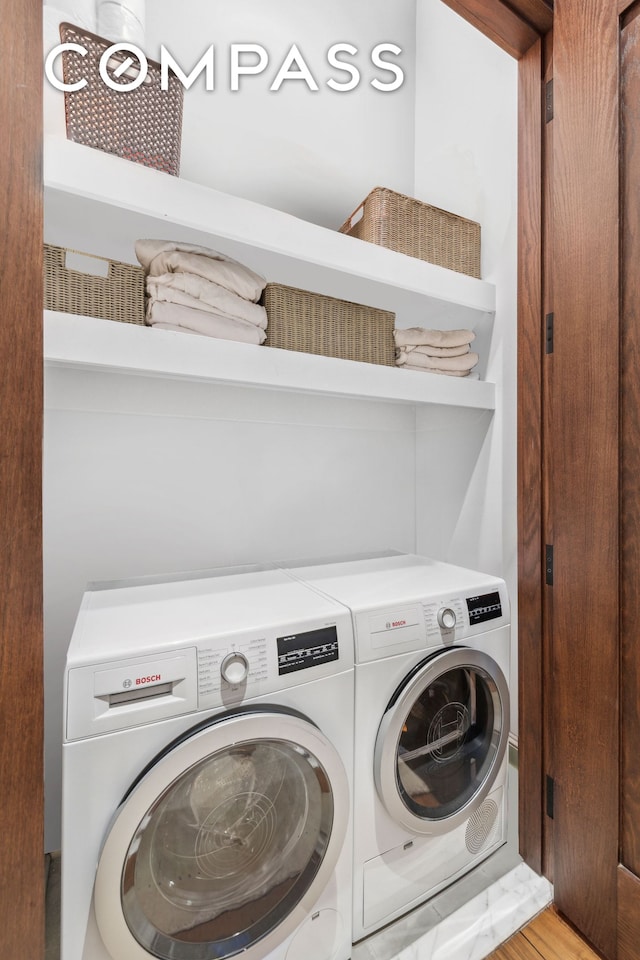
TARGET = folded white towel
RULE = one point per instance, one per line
(420, 336)
(204, 323)
(445, 373)
(438, 351)
(191, 291)
(464, 363)
(176, 328)
(165, 256)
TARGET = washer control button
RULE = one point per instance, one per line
(446, 618)
(234, 668)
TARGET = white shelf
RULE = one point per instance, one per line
(101, 204)
(104, 345)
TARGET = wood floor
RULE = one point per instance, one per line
(547, 937)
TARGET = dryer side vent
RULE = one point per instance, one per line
(480, 828)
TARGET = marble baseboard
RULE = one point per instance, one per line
(473, 916)
(472, 931)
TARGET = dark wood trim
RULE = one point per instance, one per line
(530, 546)
(628, 915)
(630, 447)
(585, 236)
(21, 669)
(515, 26)
(628, 10)
(538, 13)
(548, 701)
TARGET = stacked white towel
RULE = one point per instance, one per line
(197, 290)
(436, 351)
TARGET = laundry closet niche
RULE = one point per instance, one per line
(158, 461)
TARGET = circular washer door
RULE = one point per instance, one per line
(442, 740)
(225, 843)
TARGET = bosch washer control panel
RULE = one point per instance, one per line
(308, 649)
(487, 606)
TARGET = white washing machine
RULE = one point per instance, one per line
(432, 648)
(207, 770)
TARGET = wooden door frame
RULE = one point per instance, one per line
(582, 453)
(21, 411)
(517, 28)
(629, 867)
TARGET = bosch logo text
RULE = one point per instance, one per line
(154, 678)
(396, 623)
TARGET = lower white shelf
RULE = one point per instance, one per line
(75, 341)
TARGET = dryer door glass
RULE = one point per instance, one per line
(227, 850)
(448, 742)
(442, 740)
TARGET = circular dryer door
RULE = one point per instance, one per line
(224, 844)
(441, 740)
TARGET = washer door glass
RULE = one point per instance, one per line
(448, 732)
(228, 848)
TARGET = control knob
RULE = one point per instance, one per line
(446, 618)
(234, 668)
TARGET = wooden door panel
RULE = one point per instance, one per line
(630, 440)
(584, 466)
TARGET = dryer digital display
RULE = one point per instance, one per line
(309, 649)
(485, 607)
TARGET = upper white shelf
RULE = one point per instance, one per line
(100, 204)
(104, 345)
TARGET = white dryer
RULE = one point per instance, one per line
(431, 725)
(207, 767)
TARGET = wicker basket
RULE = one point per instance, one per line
(313, 323)
(417, 229)
(143, 125)
(117, 296)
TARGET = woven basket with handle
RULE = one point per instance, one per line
(416, 229)
(117, 296)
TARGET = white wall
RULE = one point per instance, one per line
(466, 162)
(313, 154)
